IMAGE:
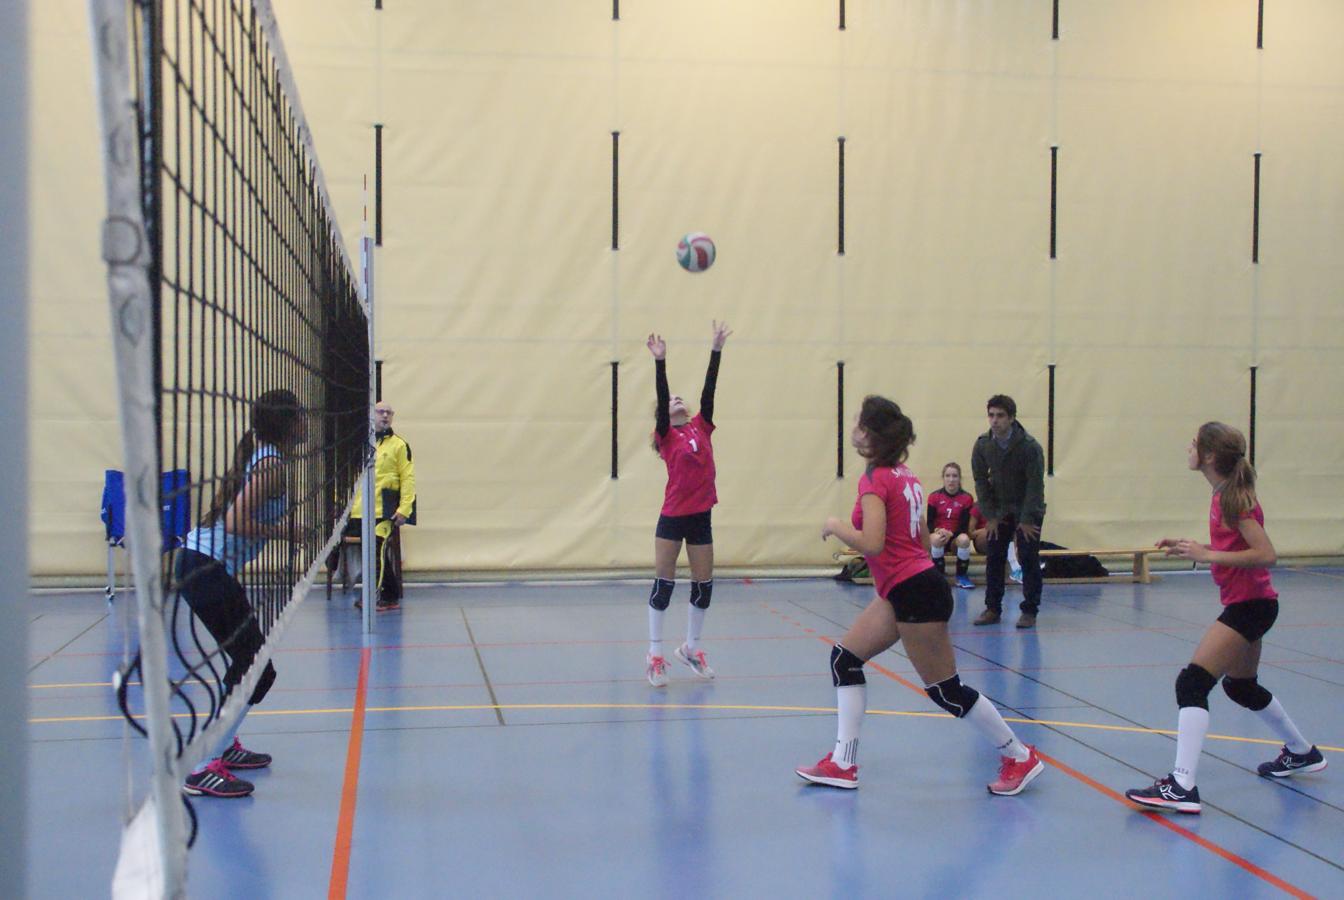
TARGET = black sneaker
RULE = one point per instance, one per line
(239, 757)
(386, 605)
(216, 781)
(1290, 763)
(1167, 794)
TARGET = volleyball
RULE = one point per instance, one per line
(695, 252)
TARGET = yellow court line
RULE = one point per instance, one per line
(471, 707)
(41, 687)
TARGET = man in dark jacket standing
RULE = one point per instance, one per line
(1009, 470)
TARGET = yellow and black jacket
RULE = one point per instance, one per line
(393, 482)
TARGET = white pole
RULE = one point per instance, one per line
(367, 537)
(127, 253)
(14, 79)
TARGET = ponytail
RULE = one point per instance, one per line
(1227, 445)
(1237, 497)
(232, 482)
(890, 431)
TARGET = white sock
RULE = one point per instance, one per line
(1191, 726)
(656, 631)
(1278, 722)
(1013, 564)
(851, 701)
(695, 623)
(986, 719)
(963, 553)
(937, 552)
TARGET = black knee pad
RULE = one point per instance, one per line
(846, 668)
(1193, 686)
(953, 696)
(263, 684)
(661, 595)
(1247, 692)
(701, 591)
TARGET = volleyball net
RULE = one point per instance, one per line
(241, 335)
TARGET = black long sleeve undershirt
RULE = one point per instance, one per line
(661, 417)
(707, 395)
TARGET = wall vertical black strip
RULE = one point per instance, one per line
(1054, 196)
(842, 15)
(615, 10)
(1050, 426)
(377, 380)
(1054, 22)
(377, 4)
(615, 375)
(378, 185)
(615, 189)
(840, 419)
(1255, 214)
(1251, 436)
(840, 239)
(1260, 27)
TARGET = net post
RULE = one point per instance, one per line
(127, 252)
(368, 540)
(14, 288)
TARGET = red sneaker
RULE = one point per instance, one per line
(828, 773)
(1014, 775)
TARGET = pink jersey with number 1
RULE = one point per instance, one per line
(902, 553)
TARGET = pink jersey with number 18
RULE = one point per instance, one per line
(902, 553)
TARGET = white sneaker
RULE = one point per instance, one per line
(696, 660)
(655, 668)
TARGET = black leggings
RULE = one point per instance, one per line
(220, 603)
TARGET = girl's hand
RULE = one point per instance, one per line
(1186, 549)
(832, 524)
(721, 333)
(657, 346)
(1166, 542)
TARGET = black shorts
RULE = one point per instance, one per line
(922, 598)
(693, 529)
(1251, 619)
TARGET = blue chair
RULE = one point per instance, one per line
(175, 490)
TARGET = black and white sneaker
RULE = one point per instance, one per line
(1290, 763)
(1166, 794)
(239, 757)
(216, 781)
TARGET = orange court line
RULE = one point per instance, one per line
(345, 822)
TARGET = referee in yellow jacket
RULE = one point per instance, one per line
(394, 490)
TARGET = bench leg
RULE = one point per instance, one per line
(1141, 573)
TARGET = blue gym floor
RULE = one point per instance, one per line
(511, 747)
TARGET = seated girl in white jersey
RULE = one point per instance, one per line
(1239, 554)
(913, 604)
(683, 441)
(249, 509)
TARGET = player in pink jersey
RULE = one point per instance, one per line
(1239, 554)
(913, 605)
(683, 441)
(950, 524)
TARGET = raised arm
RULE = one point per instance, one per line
(721, 333)
(658, 347)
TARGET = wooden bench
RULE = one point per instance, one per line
(1140, 574)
